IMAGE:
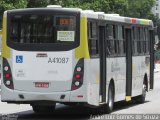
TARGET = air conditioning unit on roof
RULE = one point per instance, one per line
(54, 6)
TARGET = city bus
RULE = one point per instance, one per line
(75, 57)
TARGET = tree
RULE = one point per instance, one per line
(131, 8)
(44, 3)
(140, 8)
(10, 4)
(118, 6)
(37, 3)
(107, 6)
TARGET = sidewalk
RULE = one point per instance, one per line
(157, 68)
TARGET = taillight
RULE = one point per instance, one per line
(78, 75)
(7, 76)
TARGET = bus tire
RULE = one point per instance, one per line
(108, 108)
(43, 109)
(142, 97)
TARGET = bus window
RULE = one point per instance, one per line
(134, 45)
(42, 28)
(138, 40)
(110, 39)
(92, 37)
(147, 40)
(141, 40)
(120, 40)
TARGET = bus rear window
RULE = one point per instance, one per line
(42, 28)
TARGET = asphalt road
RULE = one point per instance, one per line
(24, 112)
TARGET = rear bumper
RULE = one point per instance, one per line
(79, 95)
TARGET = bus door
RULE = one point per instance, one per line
(128, 63)
(102, 54)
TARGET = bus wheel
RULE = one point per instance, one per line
(107, 108)
(141, 98)
(43, 108)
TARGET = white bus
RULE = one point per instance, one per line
(74, 56)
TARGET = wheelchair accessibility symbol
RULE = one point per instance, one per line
(19, 59)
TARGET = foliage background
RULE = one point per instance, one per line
(130, 8)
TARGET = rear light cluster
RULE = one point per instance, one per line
(78, 75)
(7, 76)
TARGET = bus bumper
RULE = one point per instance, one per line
(8, 95)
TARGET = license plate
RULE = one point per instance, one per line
(41, 84)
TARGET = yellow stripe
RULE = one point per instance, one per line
(82, 51)
(6, 52)
(133, 68)
(97, 78)
(128, 98)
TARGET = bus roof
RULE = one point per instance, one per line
(115, 17)
(98, 15)
(109, 17)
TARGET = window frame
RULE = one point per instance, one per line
(93, 50)
(44, 46)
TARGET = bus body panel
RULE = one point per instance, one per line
(54, 68)
(70, 96)
(116, 71)
(93, 78)
(140, 68)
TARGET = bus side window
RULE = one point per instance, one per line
(147, 40)
(120, 41)
(110, 40)
(138, 40)
(134, 41)
(141, 40)
(115, 36)
(92, 37)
